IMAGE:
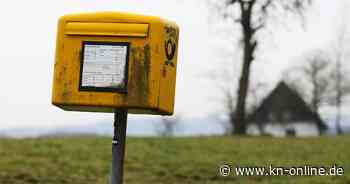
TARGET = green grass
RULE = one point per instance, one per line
(85, 160)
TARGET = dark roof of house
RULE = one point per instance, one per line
(284, 105)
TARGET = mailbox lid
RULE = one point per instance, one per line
(106, 29)
(110, 17)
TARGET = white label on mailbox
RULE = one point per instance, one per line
(104, 66)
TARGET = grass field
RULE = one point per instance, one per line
(85, 160)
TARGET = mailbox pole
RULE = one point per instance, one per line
(118, 145)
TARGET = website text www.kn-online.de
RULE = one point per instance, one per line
(306, 170)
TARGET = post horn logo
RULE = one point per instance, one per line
(170, 48)
(170, 45)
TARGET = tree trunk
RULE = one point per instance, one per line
(239, 117)
(338, 120)
(338, 97)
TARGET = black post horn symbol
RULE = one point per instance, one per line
(172, 46)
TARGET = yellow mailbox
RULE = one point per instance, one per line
(107, 61)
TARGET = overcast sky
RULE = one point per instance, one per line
(27, 48)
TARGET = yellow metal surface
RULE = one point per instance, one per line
(107, 29)
(151, 70)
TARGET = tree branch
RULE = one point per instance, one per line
(257, 28)
(265, 6)
(233, 1)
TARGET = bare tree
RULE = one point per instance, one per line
(312, 79)
(341, 90)
(168, 126)
(315, 71)
(340, 74)
(323, 79)
(253, 16)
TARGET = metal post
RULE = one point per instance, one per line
(118, 146)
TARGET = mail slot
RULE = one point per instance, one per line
(109, 60)
(107, 29)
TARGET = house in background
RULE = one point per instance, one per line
(284, 113)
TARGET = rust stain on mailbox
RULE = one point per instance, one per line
(139, 77)
(109, 60)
